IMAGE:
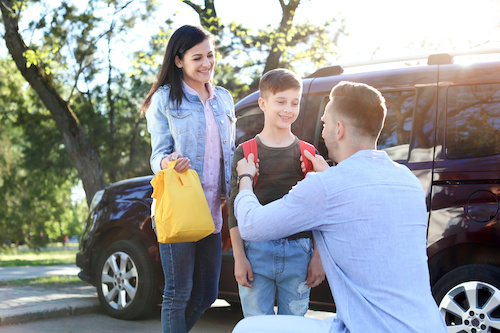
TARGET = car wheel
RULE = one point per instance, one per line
(469, 299)
(127, 285)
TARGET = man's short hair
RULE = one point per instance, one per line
(278, 80)
(361, 105)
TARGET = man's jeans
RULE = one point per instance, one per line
(279, 269)
(289, 324)
(191, 281)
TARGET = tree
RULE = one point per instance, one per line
(83, 156)
(65, 59)
(288, 45)
(208, 16)
(35, 173)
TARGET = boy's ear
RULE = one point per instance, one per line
(262, 104)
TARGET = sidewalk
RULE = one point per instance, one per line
(25, 304)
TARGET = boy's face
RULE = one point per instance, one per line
(281, 109)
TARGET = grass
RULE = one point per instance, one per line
(52, 255)
(46, 282)
(44, 257)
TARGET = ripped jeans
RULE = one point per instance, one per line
(279, 269)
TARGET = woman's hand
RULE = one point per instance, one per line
(182, 165)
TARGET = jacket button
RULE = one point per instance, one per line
(222, 122)
(225, 141)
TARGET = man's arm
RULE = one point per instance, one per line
(300, 210)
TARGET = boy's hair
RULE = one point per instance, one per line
(361, 105)
(277, 80)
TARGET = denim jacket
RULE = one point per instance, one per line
(182, 129)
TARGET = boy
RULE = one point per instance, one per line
(288, 267)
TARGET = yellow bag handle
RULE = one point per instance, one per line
(183, 177)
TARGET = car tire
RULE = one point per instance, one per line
(126, 282)
(469, 298)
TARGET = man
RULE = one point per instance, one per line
(368, 216)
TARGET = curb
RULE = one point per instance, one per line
(23, 305)
(54, 311)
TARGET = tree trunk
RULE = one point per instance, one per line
(275, 52)
(83, 156)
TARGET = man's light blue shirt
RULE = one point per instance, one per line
(369, 219)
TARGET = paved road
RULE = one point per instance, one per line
(215, 320)
(16, 273)
(220, 318)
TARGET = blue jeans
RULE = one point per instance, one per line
(279, 269)
(289, 324)
(192, 273)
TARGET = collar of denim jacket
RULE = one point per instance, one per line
(193, 95)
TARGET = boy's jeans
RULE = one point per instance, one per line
(192, 273)
(279, 269)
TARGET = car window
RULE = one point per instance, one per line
(249, 124)
(473, 121)
(395, 136)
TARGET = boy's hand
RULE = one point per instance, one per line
(318, 162)
(245, 166)
(315, 271)
(243, 272)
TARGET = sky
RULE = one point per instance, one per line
(377, 29)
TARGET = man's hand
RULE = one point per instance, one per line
(243, 272)
(318, 162)
(249, 166)
(315, 271)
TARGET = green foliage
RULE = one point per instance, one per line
(74, 47)
(36, 177)
(303, 48)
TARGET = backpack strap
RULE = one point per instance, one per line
(250, 147)
(310, 148)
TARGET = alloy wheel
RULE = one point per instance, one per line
(119, 280)
(473, 307)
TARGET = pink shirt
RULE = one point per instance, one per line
(211, 181)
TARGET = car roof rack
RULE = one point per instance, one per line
(328, 71)
(432, 59)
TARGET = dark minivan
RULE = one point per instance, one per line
(443, 122)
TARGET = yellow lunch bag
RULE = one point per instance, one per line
(181, 213)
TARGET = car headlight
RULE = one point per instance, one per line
(97, 198)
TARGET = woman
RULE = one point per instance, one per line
(193, 122)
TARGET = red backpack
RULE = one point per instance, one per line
(250, 147)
